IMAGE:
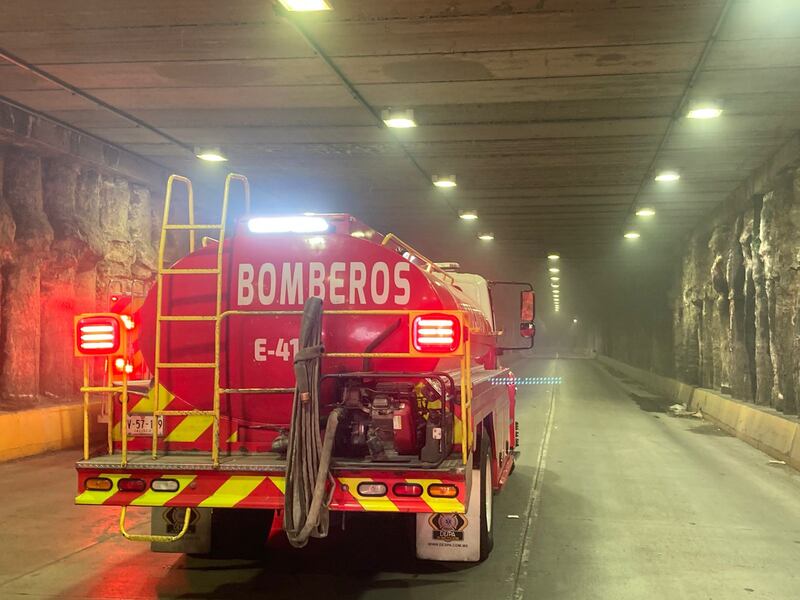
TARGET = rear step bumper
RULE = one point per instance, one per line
(253, 482)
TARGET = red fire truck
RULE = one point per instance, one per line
(303, 366)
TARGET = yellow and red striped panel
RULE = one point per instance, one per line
(180, 433)
(257, 490)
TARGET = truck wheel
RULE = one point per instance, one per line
(239, 532)
(487, 499)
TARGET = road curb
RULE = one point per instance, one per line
(31, 432)
(762, 428)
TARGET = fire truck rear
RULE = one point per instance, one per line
(301, 367)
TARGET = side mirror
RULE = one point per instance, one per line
(527, 313)
(514, 308)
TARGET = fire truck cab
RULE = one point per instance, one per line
(302, 366)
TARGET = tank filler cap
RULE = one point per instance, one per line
(449, 266)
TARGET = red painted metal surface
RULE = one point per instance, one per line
(269, 491)
(279, 272)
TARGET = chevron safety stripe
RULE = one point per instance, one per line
(368, 503)
(152, 498)
(233, 491)
(214, 489)
(186, 429)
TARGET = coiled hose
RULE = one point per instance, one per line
(308, 457)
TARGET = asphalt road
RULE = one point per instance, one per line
(610, 500)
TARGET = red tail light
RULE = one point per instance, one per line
(436, 333)
(98, 335)
(407, 489)
(130, 484)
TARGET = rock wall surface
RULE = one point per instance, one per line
(734, 302)
(737, 299)
(68, 229)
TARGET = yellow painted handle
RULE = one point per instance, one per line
(166, 539)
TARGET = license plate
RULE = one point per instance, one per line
(143, 425)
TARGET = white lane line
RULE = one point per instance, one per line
(532, 509)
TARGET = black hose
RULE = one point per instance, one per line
(308, 458)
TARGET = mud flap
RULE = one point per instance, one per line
(169, 520)
(452, 536)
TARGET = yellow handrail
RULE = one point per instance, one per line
(108, 388)
(218, 312)
(467, 438)
(159, 294)
(166, 539)
(192, 228)
(430, 266)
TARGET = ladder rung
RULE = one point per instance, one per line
(186, 365)
(189, 271)
(100, 389)
(187, 227)
(187, 318)
(185, 413)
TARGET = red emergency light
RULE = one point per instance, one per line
(97, 335)
(436, 333)
(412, 490)
(131, 484)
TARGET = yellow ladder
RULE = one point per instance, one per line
(192, 228)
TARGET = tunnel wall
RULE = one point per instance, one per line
(67, 229)
(736, 300)
(632, 321)
(731, 305)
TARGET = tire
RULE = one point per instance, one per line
(487, 497)
(239, 532)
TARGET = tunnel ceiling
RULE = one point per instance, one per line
(553, 114)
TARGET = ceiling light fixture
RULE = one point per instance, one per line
(553, 256)
(444, 181)
(704, 112)
(212, 154)
(486, 237)
(399, 119)
(554, 270)
(305, 5)
(632, 235)
(667, 176)
(645, 212)
(468, 215)
(555, 278)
